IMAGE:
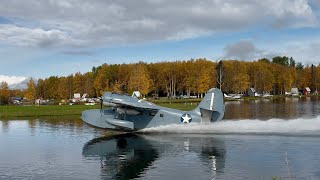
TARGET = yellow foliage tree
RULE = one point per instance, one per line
(30, 92)
(101, 81)
(78, 83)
(304, 77)
(4, 93)
(88, 84)
(190, 76)
(206, 77)
(139, 79)
(63, 90)
(261, 77)
(236, 78)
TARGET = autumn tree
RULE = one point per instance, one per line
(236, 78)
(31, 92)
(180, 74)
(101, 82)
(51, 86)
(78, 83)
(118, 77)
(304, 77)
(40, 90)
(284, 78)
(313, 74)
(190, 77)
(4, 93)
(88, 84)
(261, 77)
(16, 93)
(154, 71)
(183, 77)
(70, 86)
(205, 76)
(139, 79)
(317, 78)
(63, 90)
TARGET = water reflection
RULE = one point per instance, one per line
(130, 156)
(32, 124)
(52, 122)
(281, 108)
(5, 126)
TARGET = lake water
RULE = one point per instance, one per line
(256, 140)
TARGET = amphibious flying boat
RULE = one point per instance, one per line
(131, 114)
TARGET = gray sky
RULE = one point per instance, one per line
(60, 37)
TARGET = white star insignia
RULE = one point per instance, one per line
(186, 119)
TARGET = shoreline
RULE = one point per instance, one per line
(9, 112)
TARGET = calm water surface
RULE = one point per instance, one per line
(257, 140)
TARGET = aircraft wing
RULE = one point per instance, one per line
(124, 100)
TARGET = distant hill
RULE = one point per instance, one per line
(12, 80)
(21, 85)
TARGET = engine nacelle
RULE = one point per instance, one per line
(109, 104)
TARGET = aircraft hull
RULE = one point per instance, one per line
(131, 114)
(109, 119)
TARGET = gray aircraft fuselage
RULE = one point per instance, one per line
(131, 114)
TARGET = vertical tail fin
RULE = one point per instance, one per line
(211, 107)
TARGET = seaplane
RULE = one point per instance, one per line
(129, 113)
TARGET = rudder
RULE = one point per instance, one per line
(211, 107)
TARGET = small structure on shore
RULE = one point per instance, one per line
(253, 92)
(306, 91)
(294, 92)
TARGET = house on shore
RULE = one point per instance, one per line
(252, 92)
(306, 91)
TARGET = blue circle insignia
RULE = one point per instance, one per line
(186, 118)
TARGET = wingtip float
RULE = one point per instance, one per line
(132, 114)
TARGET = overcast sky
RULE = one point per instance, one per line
(59, 37)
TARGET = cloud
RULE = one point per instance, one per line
(247, 50)
(80, 23)
(77, 52)
(308, 53)
(12, 79)
(21, 36)
(242, 50)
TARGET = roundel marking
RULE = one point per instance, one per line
(186, 118)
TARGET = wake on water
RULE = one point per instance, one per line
(300, 127)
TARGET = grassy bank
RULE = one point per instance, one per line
(162, 101)
(40, 111)
(180, 106)
(75, 110)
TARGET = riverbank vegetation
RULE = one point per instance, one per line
(9, 112)
(40, 111)
(172, 79)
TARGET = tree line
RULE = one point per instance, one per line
(190, 77)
